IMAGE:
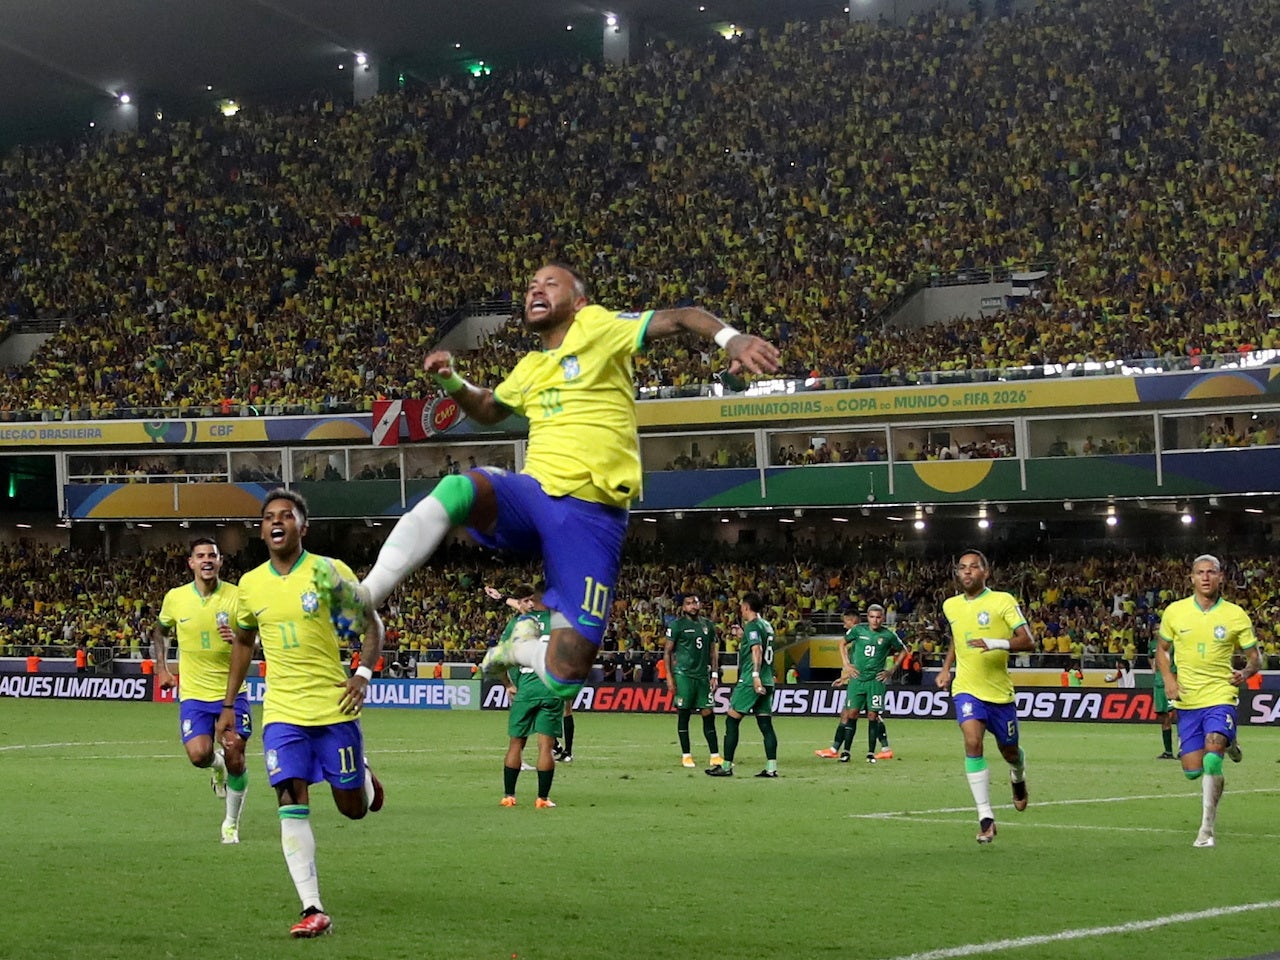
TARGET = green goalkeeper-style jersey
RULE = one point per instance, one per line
(693, 639)
(870, 649)
(756, 633)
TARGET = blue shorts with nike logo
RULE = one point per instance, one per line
(580, 543)
(333, 752)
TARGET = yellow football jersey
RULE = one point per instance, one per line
(992, 615)
(580, 402)
(1203, 643)
(304, 665)
(204, 658)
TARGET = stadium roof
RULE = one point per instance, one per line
(63, 60)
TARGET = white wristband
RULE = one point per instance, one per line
(715, 673)
(724, 335)
(997, 644)
(363, 671)
(756, 673)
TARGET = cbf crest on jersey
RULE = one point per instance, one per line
(310, 601)
(273, 763)
(1219, 632)
(223, 618)
(570, 366)
(984, 618)
(966, 708)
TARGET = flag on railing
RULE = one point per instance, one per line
(386, 422)
(426, 418)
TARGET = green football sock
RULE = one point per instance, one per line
(838, 742)
(509, 777)
(1167, 737)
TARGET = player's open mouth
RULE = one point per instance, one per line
(538, 305)
(277, 534)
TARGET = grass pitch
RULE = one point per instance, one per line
(112, 848)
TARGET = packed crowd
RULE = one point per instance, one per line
(1092, 609)
(793, 182)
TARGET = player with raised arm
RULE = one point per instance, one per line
(580, 474)
(1204, 631)
(986, 625)
(692, 655)
(311, 731)
(753, 692)
(197, 613)
(534, 708)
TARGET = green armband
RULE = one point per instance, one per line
(450, 384)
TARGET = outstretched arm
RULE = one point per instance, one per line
(746, 352)
(478, 403)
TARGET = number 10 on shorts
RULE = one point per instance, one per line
(595, 599)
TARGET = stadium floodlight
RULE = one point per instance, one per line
(984, 523)
(610, 19)
(361, 59)
(1187, 519)
(124, 99)
(1112, 520)
(919, 524)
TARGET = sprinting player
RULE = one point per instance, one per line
(581, 468)
(753, 692)
(196, 613)
(1160, 702)
(310, 728)
(534, 708)
(692, 655)
(1204, 631)
(867, 674)
(985, 626)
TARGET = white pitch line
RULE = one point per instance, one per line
(76, 743)
(1058, 826)
(1052, 803)
(1036, 824)
(1133, 926)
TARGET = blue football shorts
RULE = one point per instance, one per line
(580, 543)
(332, 752)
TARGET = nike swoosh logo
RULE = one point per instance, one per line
(350, 779)
(1187, 630)
(588, 621)
(183, 619)
(258, 613)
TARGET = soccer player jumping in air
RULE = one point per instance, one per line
(581, 470)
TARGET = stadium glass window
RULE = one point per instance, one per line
(432, 460)
(257, 466)
(375, 463)
(794, 448)
(688, 451)
(320, 465)
(148, 468)
(961, 441)
(1090, 436)
(1221, 431)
